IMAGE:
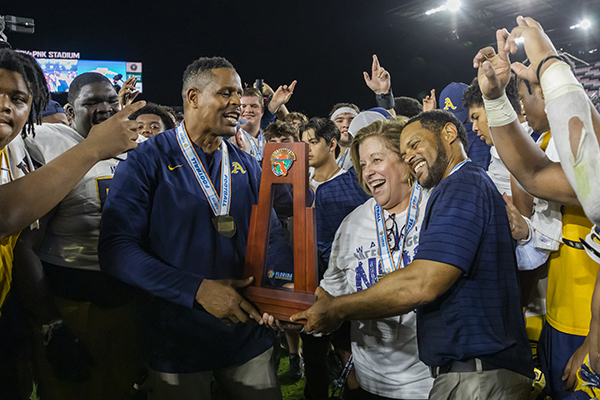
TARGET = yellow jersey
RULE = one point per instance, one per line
(8, 244)
(571, 277)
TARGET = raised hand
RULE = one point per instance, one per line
(266, 90)
(221, 299)
(281, 96)
(537, 47)
(429, 102)
(380, 80)
(116, 135)
(494, 69)
(128, 92)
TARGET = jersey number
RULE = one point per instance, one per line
(102, 186)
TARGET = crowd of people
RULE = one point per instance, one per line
(458, 247)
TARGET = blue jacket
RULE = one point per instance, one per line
(157, 234)
(335, 199)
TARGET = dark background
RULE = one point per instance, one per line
(325, 45)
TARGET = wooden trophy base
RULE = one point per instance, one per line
(280, 303)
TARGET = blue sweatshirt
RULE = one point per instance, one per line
(157, 234)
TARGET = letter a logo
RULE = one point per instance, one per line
(448, 104)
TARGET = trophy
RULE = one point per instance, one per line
(283, 163)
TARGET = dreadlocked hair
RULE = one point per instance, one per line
(34, 78)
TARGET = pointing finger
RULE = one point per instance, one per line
(375, 66)
(292, 86)
(501, 39)
(128, 110)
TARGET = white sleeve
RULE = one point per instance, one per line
(530, 257)
(334, 281)
(567, 102)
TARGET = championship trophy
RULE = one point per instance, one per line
(283, 163)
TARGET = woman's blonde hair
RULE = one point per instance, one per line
(386, 130)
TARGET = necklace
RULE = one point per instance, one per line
(330, 176)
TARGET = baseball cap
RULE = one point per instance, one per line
(52, 108)
(365, 118)
(451, 100)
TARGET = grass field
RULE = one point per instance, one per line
(290, 390)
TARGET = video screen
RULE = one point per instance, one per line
(60, 72)
(107, 68)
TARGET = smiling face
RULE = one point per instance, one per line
(15, 105)
(342, 121)
(97, 102)
(218, 104)
(149, 125)
(319, 153)
(384, 174)
(424, 153)
(480, 124)
(252, 112)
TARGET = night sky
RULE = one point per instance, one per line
(323, 45)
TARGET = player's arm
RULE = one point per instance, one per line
(398, 293)
(524, 159)
(380, 82)
(29, 198)
(540, 176)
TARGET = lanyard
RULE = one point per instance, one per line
(342, 158)
(460, 164)
(385, 253)
(5, 170)
(256, 150)
(220, 205)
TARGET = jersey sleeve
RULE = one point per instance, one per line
(122, 247)
(454, 223)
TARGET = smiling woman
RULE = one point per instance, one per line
(377, 238)
(383, 143)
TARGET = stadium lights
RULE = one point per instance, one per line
(451, 5)
(585, 24)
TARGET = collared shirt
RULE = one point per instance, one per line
(466, 226)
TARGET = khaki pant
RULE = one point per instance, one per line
(254, 380)
(498, 384)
